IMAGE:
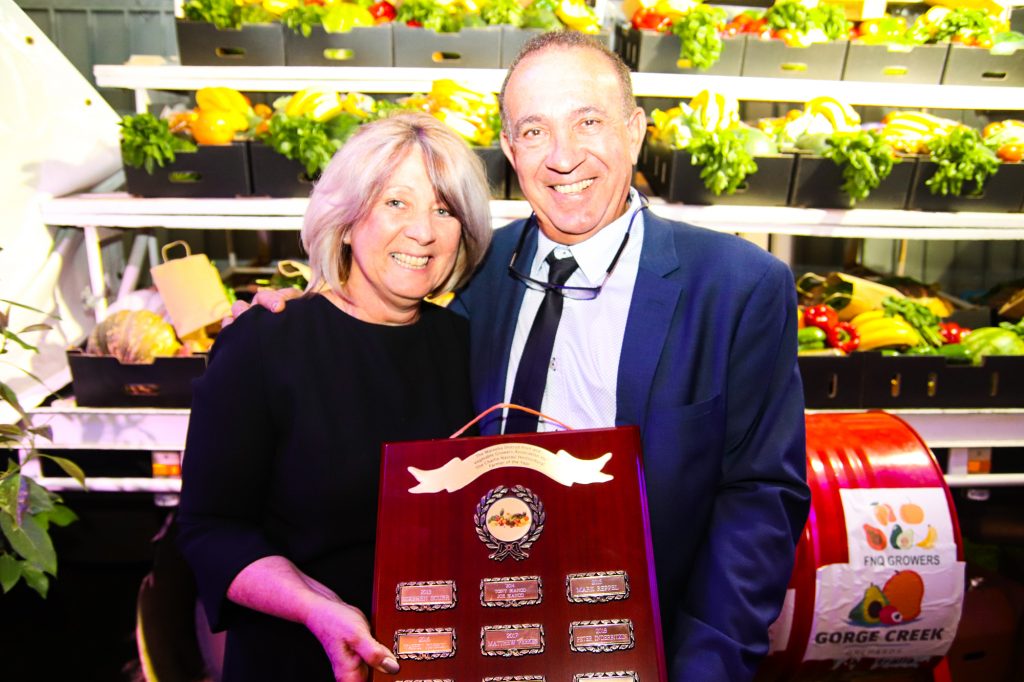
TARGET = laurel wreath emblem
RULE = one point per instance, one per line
(500, 550)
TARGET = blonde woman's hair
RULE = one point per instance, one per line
(352, 182)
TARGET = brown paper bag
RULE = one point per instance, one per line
(191, 289)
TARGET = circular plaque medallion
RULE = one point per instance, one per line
(508, 521)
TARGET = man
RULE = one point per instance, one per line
(688, 333)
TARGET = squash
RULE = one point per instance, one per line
(133, 337)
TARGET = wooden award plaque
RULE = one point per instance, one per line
(524, 557)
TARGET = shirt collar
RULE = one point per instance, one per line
(594, 254)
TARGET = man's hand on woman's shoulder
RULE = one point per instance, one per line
(273, 300)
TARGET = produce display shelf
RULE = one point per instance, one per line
(142, 77)
(124, 211)
(89, 428)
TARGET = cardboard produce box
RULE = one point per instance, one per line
(1003, 192)
(210, 171)
(654, 52)
(884, 64)
(775, 59)
(476, 48)
(674, 178)
(203, 44)
(361, 46)
(817, 183)
(978, 66)
(275, 175)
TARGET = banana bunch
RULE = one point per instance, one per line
(821, 115)
(877, 330)
(471, 114)
(909, 131)
(578, 16)
(715, 111)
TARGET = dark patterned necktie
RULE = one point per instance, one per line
(532, 373)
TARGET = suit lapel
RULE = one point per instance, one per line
(650, 314)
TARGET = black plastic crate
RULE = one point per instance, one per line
(1003, 192)
(817, 183)
(902, 380)
(978, 66)
(210, 171)
(831, 382)
(997, 382)
(498, 169)
(102, 381)
(476, 48)
(361, 46)
(884, 64)
(675, 179)
(775, 59)
(203, 44)
(654, 52)
(275, 175)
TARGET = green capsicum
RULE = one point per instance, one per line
(954, 353)
(811, 338)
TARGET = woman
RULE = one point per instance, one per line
(279, 492)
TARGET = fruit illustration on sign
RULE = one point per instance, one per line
(901, 538)
(884, 513)
(904, 591)
(868, 611)
(876, 538)
(929, 539)
(911, 513)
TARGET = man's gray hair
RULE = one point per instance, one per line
(567, 40)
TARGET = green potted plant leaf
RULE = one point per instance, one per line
(27, 509)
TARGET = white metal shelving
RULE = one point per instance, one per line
(164, 430)
(90, 428)
(124, 211)
(140, 77)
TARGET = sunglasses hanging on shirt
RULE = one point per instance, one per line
(576, 293)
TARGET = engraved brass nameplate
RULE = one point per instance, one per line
(425, 596)
(516, 678)
(509, 592)
(591, 588)
(425, 643)
(619, 676)
(601, 635)
(512, 640)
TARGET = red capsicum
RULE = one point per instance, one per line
(383, 11)
(843, 336)
(822, 316)
(952, 332)
(648, 18)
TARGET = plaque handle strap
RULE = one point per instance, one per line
(510, 406)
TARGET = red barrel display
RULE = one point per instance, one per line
(879, 574)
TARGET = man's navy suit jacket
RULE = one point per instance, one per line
(708, 371)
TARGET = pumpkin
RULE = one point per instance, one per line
(133, 337)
